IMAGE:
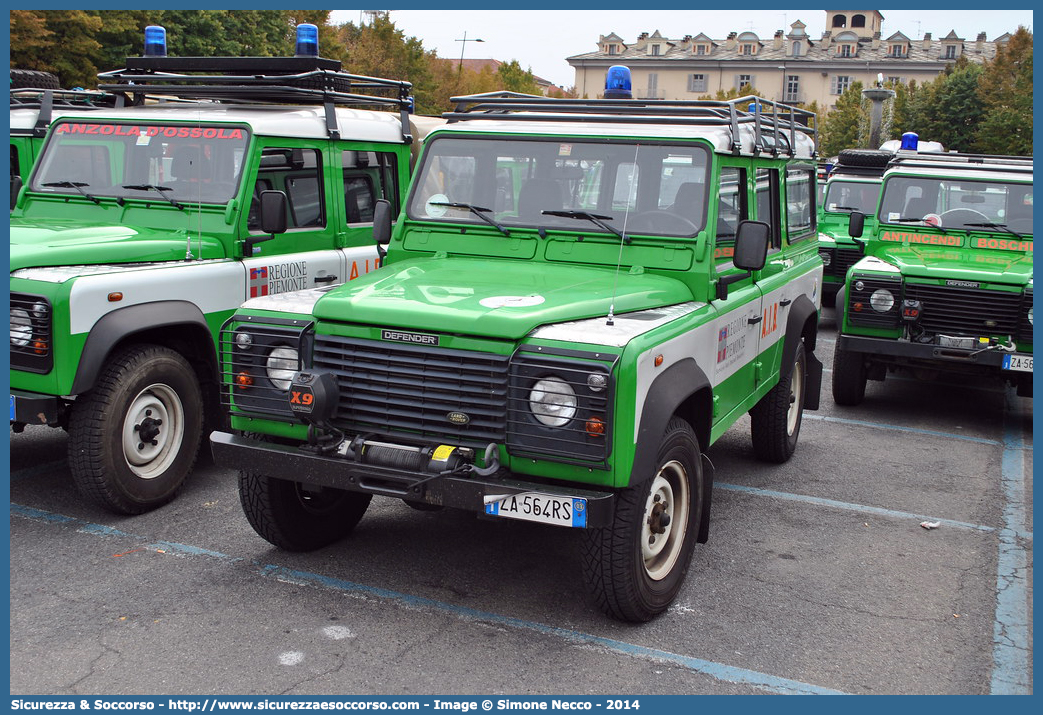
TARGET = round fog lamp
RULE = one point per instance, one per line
(244, 341)
(596, 381)
(281, 366)
(553, 402)
(882, 300)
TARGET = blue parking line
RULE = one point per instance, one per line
(899, 428)
(864, 509)
(1011, 645)
(718, 671)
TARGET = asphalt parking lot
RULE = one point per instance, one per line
(818, 577)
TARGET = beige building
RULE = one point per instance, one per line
(789, 67)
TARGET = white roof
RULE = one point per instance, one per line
(960, 170)
(718, 136)
(268, 120)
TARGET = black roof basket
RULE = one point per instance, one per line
(775, 124)
(980, 162)
(47, 100)
(266, 80)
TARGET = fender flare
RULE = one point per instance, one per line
(802, 311)
(117, 325)
(670, 394)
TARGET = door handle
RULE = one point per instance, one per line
(784, 302)
(325, 279)
(755, 319)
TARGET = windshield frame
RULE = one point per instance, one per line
(145, 158)
(489, 152)
(975, 184)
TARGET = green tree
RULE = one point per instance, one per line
(58, 41)
(1005, 91)
(380, 49)
(512, 77)
(840, 127)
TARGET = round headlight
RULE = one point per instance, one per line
(21, 327)
(553, 401)
(281, 366)
(882, 300)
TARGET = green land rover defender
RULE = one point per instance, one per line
(139, 232)
(946, 282)
(579, 297)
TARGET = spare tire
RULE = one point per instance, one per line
(34, 79)
(864, 157)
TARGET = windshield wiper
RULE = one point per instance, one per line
(160, 189)
(73, 185)
(596, 219)
(1003, 226)
(844, 208)
(478, 211)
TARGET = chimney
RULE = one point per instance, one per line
(729, 42)
(875, 44)
(980, 42)
(927, 40)
(776, 42)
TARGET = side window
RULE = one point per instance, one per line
(14, 161)
(298, 173)
(800, 203)
(731, 209)
(768, 202)
(368, 176)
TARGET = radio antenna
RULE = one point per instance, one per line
(622, 239)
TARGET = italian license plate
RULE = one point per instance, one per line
(1017, 363)
(947, 341)
(542, 508)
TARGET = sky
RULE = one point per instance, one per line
(541, 39)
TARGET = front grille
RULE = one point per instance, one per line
(966, 311)
(840, 260)
(31, 340)
(410, 391)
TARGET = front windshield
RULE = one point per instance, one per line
(157, 162)
(657, 190)
(953, 203)
(848, 196)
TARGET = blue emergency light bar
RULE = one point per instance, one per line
(307, 40)
(910, 141)
(155, 41)
(617, 83)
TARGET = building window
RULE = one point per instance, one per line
(839, 21)
(897, 50)
(613, 49)
(655, 50)
(950, 52)
(895, 80)
(696, 83)
(844, 50)
(700, 49)
(796, 49)
(742, 80)
(840, 84)
(792, 88)
(858, 21)
(653, 86)
(747, 48)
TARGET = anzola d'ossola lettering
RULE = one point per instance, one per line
(601, 287)
(154, 209)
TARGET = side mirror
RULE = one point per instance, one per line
(751, 245)
(382, 222)
(273, 210)
(856, 224)
(16, 186)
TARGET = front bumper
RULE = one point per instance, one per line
(34, 409)
(900, 351)
(463, 492)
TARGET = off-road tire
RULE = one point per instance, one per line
(864, 157)
(628, 577)
(33, 79)
(294, 517)
(775, 419)
(849, 377)
(134, 437)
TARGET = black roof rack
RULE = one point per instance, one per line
(775, 124)
(980, 162)
(268, 80)
(47, 100)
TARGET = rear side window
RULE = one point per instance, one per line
(800, 203)
(297, 173)
(368, 176)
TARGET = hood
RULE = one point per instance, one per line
(494, 298)
(66, 243)
(966, 264)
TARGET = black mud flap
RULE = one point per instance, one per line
(704, 522)
(813, 383)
